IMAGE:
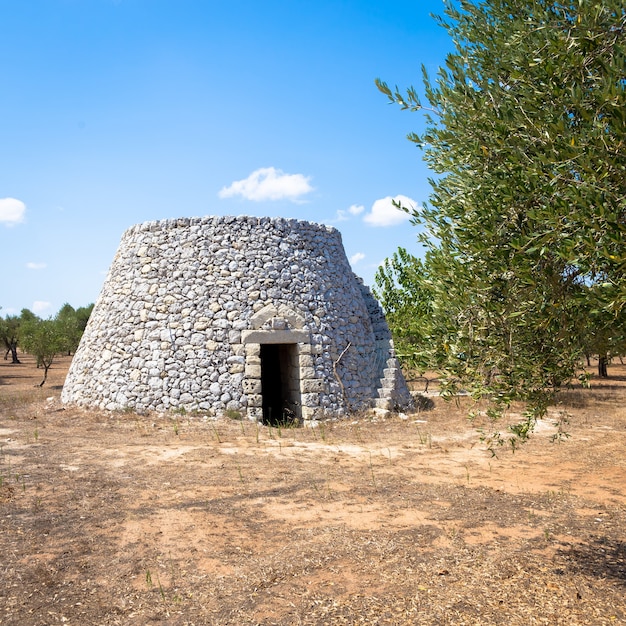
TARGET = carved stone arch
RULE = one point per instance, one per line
(281, 317)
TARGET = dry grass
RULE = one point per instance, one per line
(174, 519)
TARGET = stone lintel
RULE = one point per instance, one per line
(275, 336)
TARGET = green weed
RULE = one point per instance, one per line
(217, 434)
(233, 414)
(372, 473)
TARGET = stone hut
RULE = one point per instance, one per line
(261, 316)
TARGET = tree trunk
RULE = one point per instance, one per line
(45, 374)
(13, 349)
(603, 361)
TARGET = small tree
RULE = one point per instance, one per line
(43, 339)
(402, 287)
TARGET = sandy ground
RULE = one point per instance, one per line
(118, 518)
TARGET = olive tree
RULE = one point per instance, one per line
(9, 335)
(44, 339)
(525, 133)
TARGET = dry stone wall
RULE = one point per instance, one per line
(235, 313)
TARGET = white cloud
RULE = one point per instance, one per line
(385, 213)
(356, 209)
(268, 183)
(40, 306)
(11, 211)
(340, 217)
(343, 215)
(355, 258)
(36, 266)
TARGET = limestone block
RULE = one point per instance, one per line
(263, 315)
(253, 370)
(307, 372)
(311, 413)
(383, 403)
(255, 413)
(310, 399)
(251, 386)
(255, 399)
(306, 360)
(239, 349)
(312, 385)
(253, 351)
(278, 323)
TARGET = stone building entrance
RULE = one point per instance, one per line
(280, 383)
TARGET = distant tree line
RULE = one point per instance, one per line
(43, 338)
(417, 314)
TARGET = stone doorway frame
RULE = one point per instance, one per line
(280, 383)
(272, 325)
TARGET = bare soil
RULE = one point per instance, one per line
(118, 518)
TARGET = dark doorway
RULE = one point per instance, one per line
(280, 383)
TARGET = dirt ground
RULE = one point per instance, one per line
(118, 518)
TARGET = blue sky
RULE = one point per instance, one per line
(116, 112)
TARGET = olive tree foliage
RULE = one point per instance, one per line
(72, 322)
(405, 294)
(526, 133)
(43, 339)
